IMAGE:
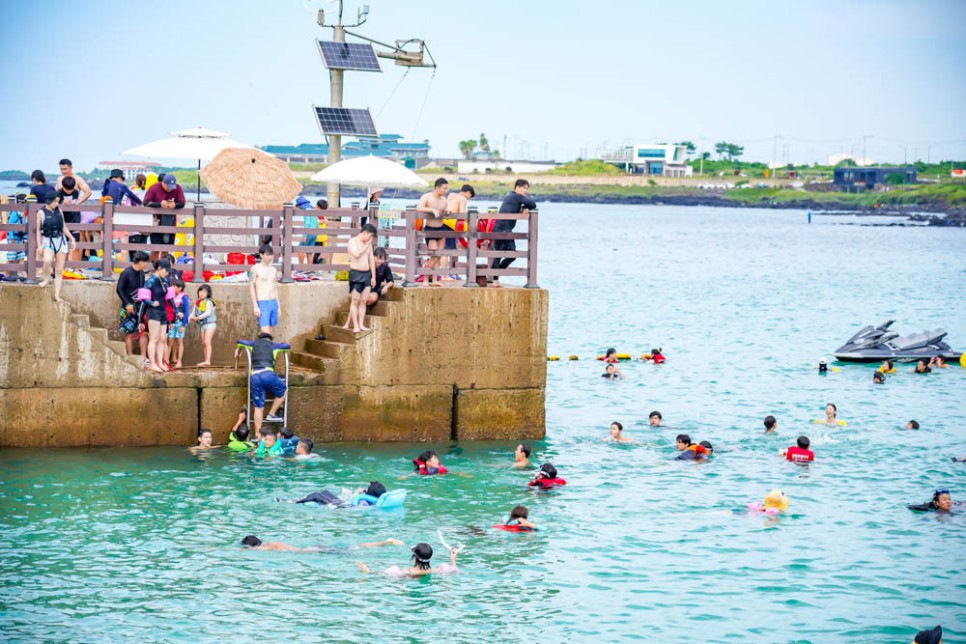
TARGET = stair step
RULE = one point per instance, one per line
(371, 321)
(380, 308)
(394, 295)
(326, 349)
(81, 320)
(99, 333)
(335, 333)
(314, 362)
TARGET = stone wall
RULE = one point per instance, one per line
(442, 364)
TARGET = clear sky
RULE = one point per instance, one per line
(557, 79)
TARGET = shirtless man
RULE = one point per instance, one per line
(456, 205)
(253, 542)
(434, 204)
(264, 292)
(84, 190)
(362, 276)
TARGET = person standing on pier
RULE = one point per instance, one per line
(514, 203)
(362, 276)
(434, 204)
(456, 204)
(263, 290)
(167, 194)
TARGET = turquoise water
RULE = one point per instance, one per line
(123, 544)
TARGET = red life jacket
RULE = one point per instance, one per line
(698, 449)
(658, 358)
(511, 528)
(424, 471)
(547, 483)
(799, 455)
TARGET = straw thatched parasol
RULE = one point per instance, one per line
(250, 179)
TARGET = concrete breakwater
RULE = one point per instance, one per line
(439, 364)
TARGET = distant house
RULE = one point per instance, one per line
(476, 166)
(131, 169)
(657, 159)
(387, 146)
(858, 179)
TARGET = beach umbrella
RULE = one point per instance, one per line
(368, 171)
(250, 178)
(196, 143)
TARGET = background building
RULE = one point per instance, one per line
(858, 179)
(389, 146)
(661, 160)
(131, 168)
(477, 166)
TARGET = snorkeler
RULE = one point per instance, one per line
(941, 502)
(800, 453)
(521, 456)
(612, 373)
(518, 521)
(831, 416)
(427, 464)
(617, 433)
(547, 478)
(254, 543)
(422, 554)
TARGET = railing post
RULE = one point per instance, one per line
(472, 251)
(199, 239)
(286, 228)
(532, 249)
(30, 215)
(107, 232)
(410, 248)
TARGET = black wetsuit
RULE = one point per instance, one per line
(513, 203)
(324, 498)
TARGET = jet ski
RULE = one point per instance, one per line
(875, 344)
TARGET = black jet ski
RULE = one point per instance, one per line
(875, 344)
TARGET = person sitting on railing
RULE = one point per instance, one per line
(167, 194)
(514, 203)
(384, 279)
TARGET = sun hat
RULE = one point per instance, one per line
(775, 499)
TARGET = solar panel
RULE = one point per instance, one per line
(348, 55)
(339, 120)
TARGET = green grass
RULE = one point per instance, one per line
(588, 167)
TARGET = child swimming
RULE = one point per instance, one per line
(518, 521)
(546, 477)
(427, 464)
(422, 555)
(612, 373)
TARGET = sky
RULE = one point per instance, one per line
(543, 79)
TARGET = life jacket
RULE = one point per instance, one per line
(423, 470)
(799, 455)
(698, 450)
(52, 226)
(547, 483)
(511, 527)
(235, 445)
(658, 358)
(263, 354)
(288, 445)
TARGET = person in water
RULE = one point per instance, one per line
(268, 445)
(657, 357)
(204, 440)
(519, 519)
(611, 356)
(938, 361)
(689, 451)
(422, 564)
(831, 416)
(771, 425)
(930, 636)
(800, 453)
(886, 367)
(427, 464)
(912, 424)
(775, 502)
(617, 433)
(654, 418)
(254, 543)
(707, 447)
(612, 373)
(941, 502)
(324, 497)
(288, 441)
(922, 367)
(878, 378)
(546, 477)
(303, 450)
(521, 456)
(238, 436)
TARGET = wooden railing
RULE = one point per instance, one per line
(405, 245)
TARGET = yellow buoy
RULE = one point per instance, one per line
(962, 361)
(553, 358)
(573, 358)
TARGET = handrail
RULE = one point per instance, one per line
(406, 246)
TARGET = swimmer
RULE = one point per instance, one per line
(958, 460)
(287, 441)
(930, 636)
(775, 502)
(708, 448)
(938, 362)
(657, 357)
(204, 441)
(654, 418)
(689, 451)
(912, 424)
(941, 502)
(324, 497)
(428, 463)
(521, 456)
(886, 367)
(303, 450)
(422, 554)
(611, 355)
(831, 416)
(519, 519)
(617, 433)
(771, 425)
(238, 436)
(546, 477)
(254, 543)
(800, 453)
(922, 367)
(268, 445)
(612, 373)
(878, 378)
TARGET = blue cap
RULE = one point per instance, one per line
(170, 180)
(303, 203)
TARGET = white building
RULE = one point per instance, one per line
(835, 159)
(660, 160)
(479, 166)
(131, 169)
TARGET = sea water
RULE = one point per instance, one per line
(143, 544)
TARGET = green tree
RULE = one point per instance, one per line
(485, 146)
(689, 146)
(705, 155)
(735, 151)
(468, 148)
(721, 148)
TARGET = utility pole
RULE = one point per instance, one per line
(865, 159)
(774, 153)
(333, 192)
(701, 171)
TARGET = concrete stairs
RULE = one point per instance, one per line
(325, 355)
(102, 336)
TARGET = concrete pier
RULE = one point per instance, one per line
(439, 364)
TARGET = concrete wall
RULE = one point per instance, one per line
(442, 364)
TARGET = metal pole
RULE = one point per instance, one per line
(335, 140)
(198, 195)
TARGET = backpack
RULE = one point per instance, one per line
(53, 225)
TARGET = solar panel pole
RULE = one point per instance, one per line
(335, 140)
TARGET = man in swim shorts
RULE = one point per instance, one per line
(362, 276)
(434, 205)
(254, 543)
(263, 378)
(264, 291)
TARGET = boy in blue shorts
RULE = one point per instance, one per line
(264, 379)
(264, 291)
